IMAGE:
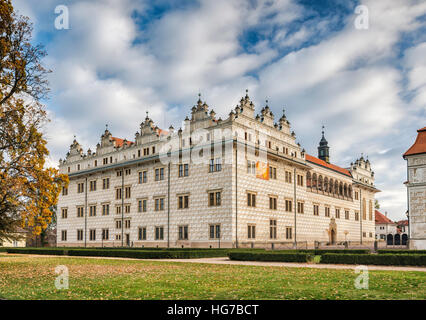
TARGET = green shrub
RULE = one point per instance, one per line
(393, 251)
(375, 259)
(47, 251)
(269, 256)
(147, 254)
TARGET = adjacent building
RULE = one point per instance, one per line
(236, 182)
(416, 190)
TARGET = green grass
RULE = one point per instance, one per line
(24, 277)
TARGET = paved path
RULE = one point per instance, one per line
(226, 261)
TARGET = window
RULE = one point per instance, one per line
(92, 211)
(272, 229)
(337, 213)
(347, 214)
(80, 235)
(356, 195)
(356, 216)
(127, 223)
(288, 206)
(105, 183)
(371, 235)
(118, 237)
(146, 151)
(273, 203)
(64, 213)
(142, 205)
(159, 204)
(288, 233)
(159, 233)
(118, 224)
(251, 167)
(105, 209)
(143, 177)
(93, 185)
(96, 163)
(127, 192)
(78, 167)
(128, 172)
(288, 177)
(153, 149)
(127, 208)
(300, 207)
(80, 187)
(251, 199)
(92, 235)
(69, 169)
(316, 210)
(64, 235)
(142, 233)
(327, 211)
(364, 235)
(251, 231)
(370, 210)
(272, 173)
(215, 165)
(215, 198)
(183, 202)
(119, 173)
(300, 180)
(183, 232)
(105, 234)
(105, 160)
(118, 209)
(80, 212)
(183, 170)
(159, 174)
(214, 231)
(118, 192)
(64, 191)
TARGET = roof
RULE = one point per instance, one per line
(322, 163)
(419, 145)
(119, 142)
(403, 223)
(382, 219)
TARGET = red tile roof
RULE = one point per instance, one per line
(322, 163)
(403, 223)
(419, 145)
(119, 142)
(382, 219)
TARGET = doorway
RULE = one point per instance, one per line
(128, 239)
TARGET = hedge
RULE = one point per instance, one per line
(387, 251)
(341, 251)
(375, 259)
(269, 256)
(139, 254)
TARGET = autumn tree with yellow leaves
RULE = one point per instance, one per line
(28, 190)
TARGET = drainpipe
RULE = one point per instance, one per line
(122, 207)
(295, 210)
(85, 214)
(236, 195)
(168, 206)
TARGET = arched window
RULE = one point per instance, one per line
(314, 181)
(370, 210)
(336, 187)
(350, 191)
(345, 190)
(326, 184)
(364, 209)
(331, 186)
(308, 180)
(341, 189)
(320, 183)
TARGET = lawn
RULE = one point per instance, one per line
(24, 277)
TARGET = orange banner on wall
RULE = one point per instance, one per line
(262, 170)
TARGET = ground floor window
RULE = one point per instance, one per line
(183, 232)
(64, 235)
(288, 233)
(92, 235)
(80, 235)
(214, 231)
(105, 234)
(272, 229)
(251, 231)
(159, 233)
(142, 233)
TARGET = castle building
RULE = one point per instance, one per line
(416, 190)
(238, 182)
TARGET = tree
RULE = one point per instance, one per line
(376, 204)
(27, 189)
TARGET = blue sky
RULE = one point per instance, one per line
(122, 58)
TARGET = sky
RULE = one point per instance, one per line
(119, 59)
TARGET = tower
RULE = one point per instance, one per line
(324, 149)
(416, 190)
